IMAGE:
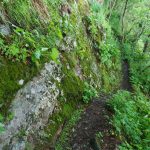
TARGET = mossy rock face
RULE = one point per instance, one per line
(10, 74)
(71, 84)
(78, 65)
(59, 118)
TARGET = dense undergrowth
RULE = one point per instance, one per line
(131, 119)
(131, 110)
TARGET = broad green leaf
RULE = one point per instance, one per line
(54, 55)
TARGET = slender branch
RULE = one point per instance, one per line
(112, 8)
(134, 23)
(123, 15)
(139, 35)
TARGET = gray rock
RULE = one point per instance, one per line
(19, 146)
(5, 29)
(69, 43)
(32, 107)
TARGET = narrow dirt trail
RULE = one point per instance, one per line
(95, 119)
(126, 84)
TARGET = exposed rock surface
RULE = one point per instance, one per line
(4, 29)
(31, 108)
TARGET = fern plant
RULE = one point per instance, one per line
(131, 119)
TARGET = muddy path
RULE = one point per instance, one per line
(93, 121)
(126, 84)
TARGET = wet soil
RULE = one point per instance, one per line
(94, 120)
(126, 84)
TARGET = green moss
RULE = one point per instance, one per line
(57, 119)
(71, 84)
(105, 79)
(32, 14)
(111, 78)
(10, 74)
(23, 16)
(83, 7)
(63, 140)
(84, 51)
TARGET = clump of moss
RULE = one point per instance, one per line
(59, 118)
(71, 84)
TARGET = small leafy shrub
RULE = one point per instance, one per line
(140, 70)
(139, 67)
(24, 45)
(131, 119)
(89, 93)
(99, 135)
(109, 52)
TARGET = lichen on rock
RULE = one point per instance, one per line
(32, 106)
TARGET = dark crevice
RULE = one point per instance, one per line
(126, 84)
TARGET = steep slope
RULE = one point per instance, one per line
(64, 34)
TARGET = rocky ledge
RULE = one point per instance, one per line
(31, 108)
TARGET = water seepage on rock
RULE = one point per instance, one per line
(32, 107)
(5, 29)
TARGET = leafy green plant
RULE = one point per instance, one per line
(109, 52)
(89, 92)
(24, 45)
(131, 119)
(140, 69)
(54, 55)
(98, 23)
(99, 138)
(18, 47)
(99, 135)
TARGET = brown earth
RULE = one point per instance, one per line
(94, 120)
